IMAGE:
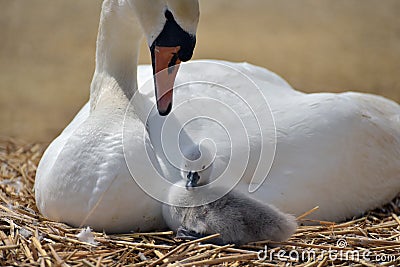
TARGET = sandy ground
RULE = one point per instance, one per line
(47, 51)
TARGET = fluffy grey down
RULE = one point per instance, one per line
(237, 218)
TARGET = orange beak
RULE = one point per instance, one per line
(166, 65)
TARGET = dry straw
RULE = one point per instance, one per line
(28, 239)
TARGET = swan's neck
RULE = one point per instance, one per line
(118, 42)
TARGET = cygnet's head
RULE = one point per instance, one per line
(170, 30)
(197, 165)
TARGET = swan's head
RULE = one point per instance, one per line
(170, 29)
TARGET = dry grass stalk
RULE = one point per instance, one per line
(28, 239)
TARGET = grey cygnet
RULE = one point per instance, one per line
(237, 218)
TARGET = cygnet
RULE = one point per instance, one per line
(238, 219)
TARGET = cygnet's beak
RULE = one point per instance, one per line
(192, 180)
(166, 65)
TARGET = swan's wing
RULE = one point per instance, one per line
(53, 150)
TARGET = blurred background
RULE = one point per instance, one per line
(47, 51)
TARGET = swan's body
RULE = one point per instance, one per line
(237, 218)
(340, 152)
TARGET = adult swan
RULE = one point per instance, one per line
(338, 151)
(83, 178)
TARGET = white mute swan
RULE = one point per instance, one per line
(340, 152)
(82, 178)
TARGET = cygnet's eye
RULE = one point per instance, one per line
(204, 166)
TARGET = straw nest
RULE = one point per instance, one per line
(27, 238)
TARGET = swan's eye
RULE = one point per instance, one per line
(204, 166)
